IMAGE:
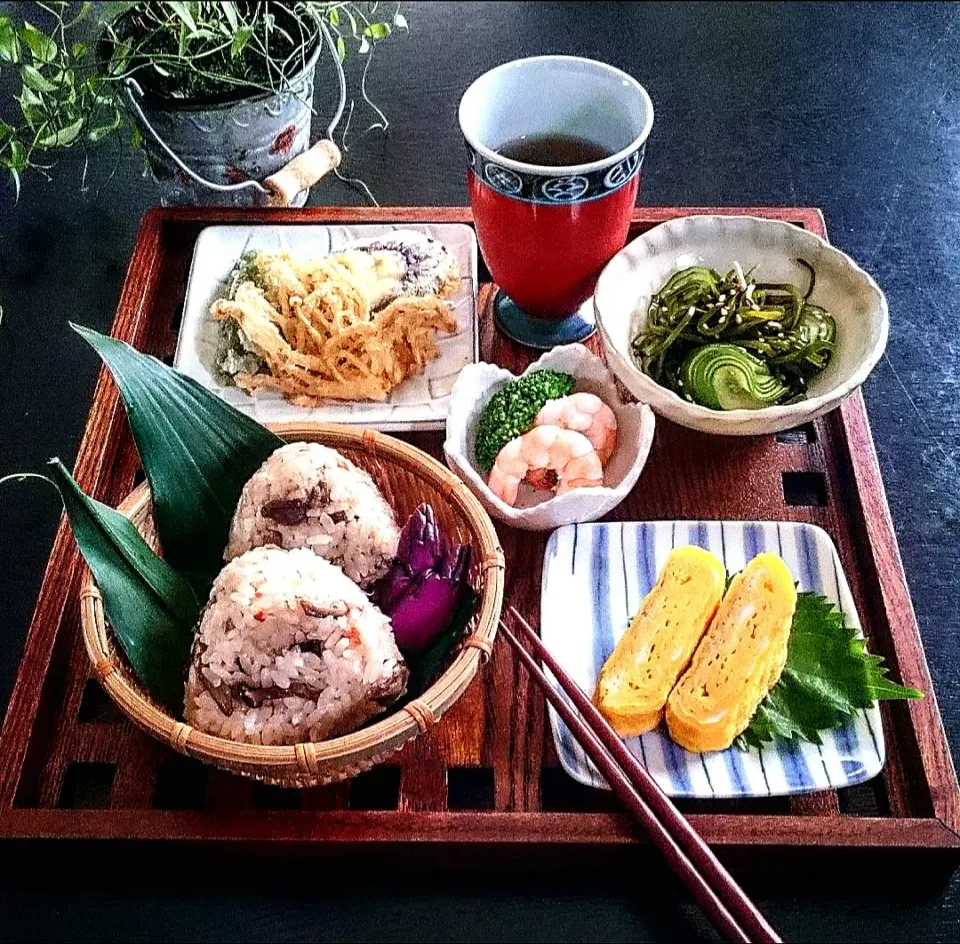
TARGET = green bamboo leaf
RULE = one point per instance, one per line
(151, 608)
(197, 451)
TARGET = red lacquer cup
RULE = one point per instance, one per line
(547, 232)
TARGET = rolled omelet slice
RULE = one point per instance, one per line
(739, 660)
(636, 680)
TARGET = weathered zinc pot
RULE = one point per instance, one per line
(219, 154)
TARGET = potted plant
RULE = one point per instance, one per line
(219, 95)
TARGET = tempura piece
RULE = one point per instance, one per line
(334, 327)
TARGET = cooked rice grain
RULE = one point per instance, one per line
(308, 495)
(289, 649)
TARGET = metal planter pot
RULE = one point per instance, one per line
(219, 154)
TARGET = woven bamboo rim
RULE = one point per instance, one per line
(312, 764)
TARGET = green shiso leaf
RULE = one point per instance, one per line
(828, 676)
(151, 608)
(197, 452)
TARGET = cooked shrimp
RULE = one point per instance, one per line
(547, 457)
(585, 413)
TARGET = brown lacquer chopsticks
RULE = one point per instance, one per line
(712, 886)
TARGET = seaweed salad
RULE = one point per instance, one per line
(730, 343)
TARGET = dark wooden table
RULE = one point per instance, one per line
(854, 108)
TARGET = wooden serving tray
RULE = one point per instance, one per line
(486, 777)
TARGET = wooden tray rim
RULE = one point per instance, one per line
(942, 830)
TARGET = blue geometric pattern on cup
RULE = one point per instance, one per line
(564, 189)
(502, 179)
(555, 188)
(620, 173)
(595, 577)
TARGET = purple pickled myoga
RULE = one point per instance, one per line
(392, 588)
(421, 543)
(419, 593)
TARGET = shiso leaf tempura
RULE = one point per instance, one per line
(729, 342)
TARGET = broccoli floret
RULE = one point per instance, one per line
(512, 410)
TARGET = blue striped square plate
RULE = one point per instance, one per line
(594, 579)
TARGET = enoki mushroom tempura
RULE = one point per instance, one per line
(311, 321)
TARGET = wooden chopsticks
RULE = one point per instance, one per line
(712, 886)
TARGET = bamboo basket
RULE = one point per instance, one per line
(406, 476)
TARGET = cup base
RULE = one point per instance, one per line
(542, 333)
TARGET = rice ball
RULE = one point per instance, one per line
(308, 495)
(289, 649)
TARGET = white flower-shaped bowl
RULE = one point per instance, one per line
(542, 511)
(771, 248)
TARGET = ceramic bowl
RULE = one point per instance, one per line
(542, 511)
(772, 247)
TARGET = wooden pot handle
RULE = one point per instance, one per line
(302, 172)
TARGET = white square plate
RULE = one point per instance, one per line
(594, 578)
(419, 403)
